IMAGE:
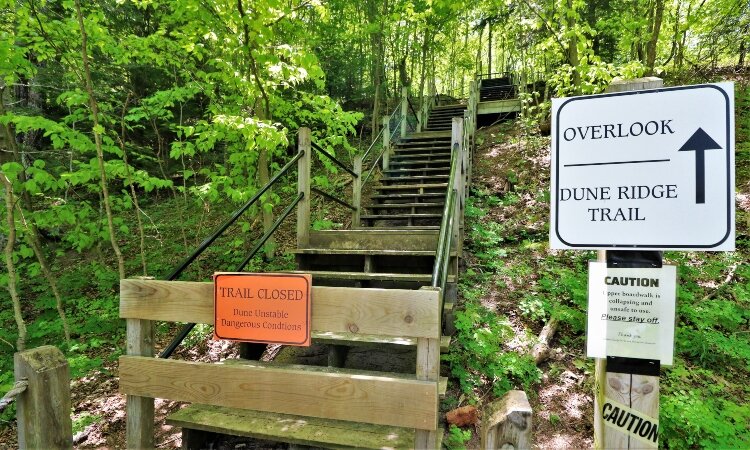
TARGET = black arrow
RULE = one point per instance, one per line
(699, 142)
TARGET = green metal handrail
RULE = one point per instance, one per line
(177, 340)
(442, 254)
(333, 159)
(382, 151)
(376, 139)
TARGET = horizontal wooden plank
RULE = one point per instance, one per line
(387, 312)
(370, 399)
(292, 429)
(373, 239)
(353, 339)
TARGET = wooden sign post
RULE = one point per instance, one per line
(620, 386)
(634, 173)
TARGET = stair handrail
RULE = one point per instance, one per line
(382, 152)
(333, 159)
(377, 137)
(445, 235)
(233, 218)
(177, 340)
(304, 152)
(416, 116)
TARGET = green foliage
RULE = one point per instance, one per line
(478, 356)
(457, 438)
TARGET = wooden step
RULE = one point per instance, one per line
(448, 107)
(296, 430)
(374, 239)
(412, 187)
(404, 227)
(414, 179)
(409, 197)
(420, 161)
(417, 170)
(369, 276)
(442, 149)
(405, 205)
(378, 252)
(401, 217)
(443, 155)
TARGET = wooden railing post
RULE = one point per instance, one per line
(428, 368)
(386, 142)
(140, 410)
(303, 187)
(608, 437)
(404, 109)
(426, 102)
(43, 409)
(457, 135)
(357, 191)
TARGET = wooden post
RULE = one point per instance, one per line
(457, 134)
(422, 115)
(43, 409)
(428, 368)
(386, 142)
(404, 109)
(139, 410)
(611, 385)
(303, 187)
(357, 191)
(507, 422)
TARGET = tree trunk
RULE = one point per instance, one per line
(489, 46)
(265, 114)
(651, 47)
(743, 47)
(134, 196)
(10, 266)
(98, 141)
(573, 47)
(423, 67)
(378, 61)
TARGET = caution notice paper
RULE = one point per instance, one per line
(631, 312)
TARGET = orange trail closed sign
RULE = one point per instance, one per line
(263, 308)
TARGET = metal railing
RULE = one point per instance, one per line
(445, 236)
(187, 328)
(175, 274)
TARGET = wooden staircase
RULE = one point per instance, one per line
(500, 88)
(391, 280)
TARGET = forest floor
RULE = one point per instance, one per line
(514, 284)
(509, 212)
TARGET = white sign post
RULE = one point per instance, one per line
(651, 170)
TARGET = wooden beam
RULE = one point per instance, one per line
(605, 382)
(371, 399)
(43, 409)
(139, 410)
(357, 191)
(389, 312)
(309, 431)
(428, 368)
(386, 142)
(303, 186)
(404, 109)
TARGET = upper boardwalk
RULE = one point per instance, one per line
(498, 94)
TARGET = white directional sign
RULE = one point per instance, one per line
(647, 169)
